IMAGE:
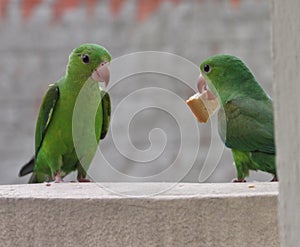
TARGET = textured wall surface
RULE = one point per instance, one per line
(119, 214)
(286, 65)
(34, 53)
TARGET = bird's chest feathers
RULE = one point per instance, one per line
(77, 115)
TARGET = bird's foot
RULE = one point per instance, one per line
(275, 179)
(236, 180)
(83, 180)
(57, 178)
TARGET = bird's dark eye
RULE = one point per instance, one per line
(85, 58)
(206, 68)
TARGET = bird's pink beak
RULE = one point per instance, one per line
(101, 73)
(202, 87)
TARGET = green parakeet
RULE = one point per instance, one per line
(245, 118)
(55, 151)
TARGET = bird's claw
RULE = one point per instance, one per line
(83, 180)
(57, 178)
(275, 179)
(236, 180)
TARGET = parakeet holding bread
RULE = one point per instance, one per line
(245, 118)
(55, 154)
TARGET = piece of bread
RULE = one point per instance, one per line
(202, 107)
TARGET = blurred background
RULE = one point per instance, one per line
(37, 36)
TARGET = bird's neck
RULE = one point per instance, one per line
(72, 85)
(243, 90)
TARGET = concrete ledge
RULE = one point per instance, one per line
(92, 214)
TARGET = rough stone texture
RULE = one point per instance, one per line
(134, 214)
(34, 54)
(286, 65)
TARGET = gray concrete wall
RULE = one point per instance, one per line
(34, 54)
(146, 214)
(286, 77)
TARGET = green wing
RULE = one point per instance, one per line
(106, 109)
(248, 125)
(44, 118)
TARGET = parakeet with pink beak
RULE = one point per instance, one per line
(55, 154)
(245, 118)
